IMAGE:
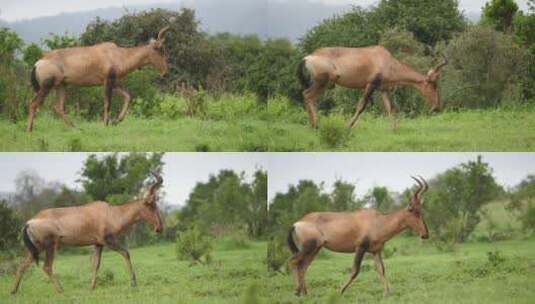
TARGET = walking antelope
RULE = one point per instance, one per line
(365, 230)
(97, 224)
(101, 64)
(369, 68)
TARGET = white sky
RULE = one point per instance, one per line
(386, 169)
(180, 173)
(12, 10)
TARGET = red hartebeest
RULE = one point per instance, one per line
(97, 223)
(365, 230)
(369, 68)
(101, 64)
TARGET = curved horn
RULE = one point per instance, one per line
(421, 186)
(434, 72)
(157, 184)
(444, 63)
(162, 32)
(426, 186)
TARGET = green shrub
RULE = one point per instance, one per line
(171, 106)
(333, 131)
(193, 245)
(495, 258)
(277, 254)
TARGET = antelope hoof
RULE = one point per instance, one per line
(133, 284)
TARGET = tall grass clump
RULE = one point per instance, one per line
(333, 131)
(193, 245)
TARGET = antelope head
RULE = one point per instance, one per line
(150, 212)
(430, 85)
(415, 219)
(157, 55)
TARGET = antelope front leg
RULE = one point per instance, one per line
(380, 267)
(389, 109)
(126, 103)
(361, 106)
(47, 267)
(111, 243)
(359, 254)
(95, 259)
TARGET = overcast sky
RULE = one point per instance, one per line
(386, 169)
(12, 10)
(181, 171)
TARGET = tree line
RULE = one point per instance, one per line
(227, 203)
(492, 62)
(454, 205)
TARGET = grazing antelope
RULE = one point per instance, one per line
(369, 68)
(365, 230)
(96, 223)
(101, 64)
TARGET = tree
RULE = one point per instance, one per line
(116, 178)
(227, 203)
(31, 54)
(257, 217)
(522, 203)
(10, 43)
(10, 227)
(484, 67)
(54, 41)
(380, 199)
(455, 199)
(430, 21)
(500, 14)
(343, 197)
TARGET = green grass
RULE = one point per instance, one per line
(474, 130)
(281, 129)
(160, 277)
(418, 273)
(135, 134)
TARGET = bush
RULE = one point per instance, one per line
(495, 258)
(10, 226)
(277, 254)
(333, 131)
(484, 65)
(193, 245)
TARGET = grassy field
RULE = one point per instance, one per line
(493, 130)
(134, 134)
(418, 273)
(160, 277)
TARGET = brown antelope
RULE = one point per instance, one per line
(101, 64)
(96, 223)
(365, 230)
(369, 68)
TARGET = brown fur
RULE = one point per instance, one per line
(101, 64)
(97, 223)
(365, 230)
(368, 68)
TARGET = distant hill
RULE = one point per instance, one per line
(288, 19)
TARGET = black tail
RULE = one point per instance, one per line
(303, 80)
(30, 245)
(35, 83)
(291, 242)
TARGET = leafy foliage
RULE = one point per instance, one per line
(10, 224)
(115, 178)
(500, 13)
(193, 245)
(453, 204)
